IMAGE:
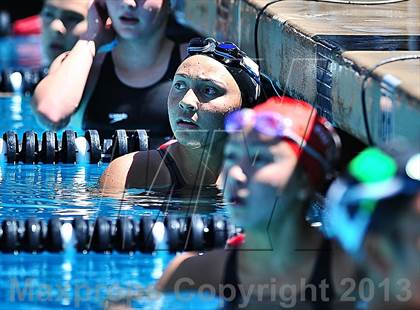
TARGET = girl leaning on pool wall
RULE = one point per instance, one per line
(215, 79)
(278, 154)
(373, 210)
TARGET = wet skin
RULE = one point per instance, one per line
(259, 173)
(62, 24)
(268, 191)
(202, 93)
(263, 182)
(133, 19)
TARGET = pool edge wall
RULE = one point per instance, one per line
(303, 60)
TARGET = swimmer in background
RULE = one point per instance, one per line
(59, 23)
(373, 210)
(216, 78)
(63, 21)
(118, 74)
(277, 156)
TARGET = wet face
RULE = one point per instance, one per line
(202, 93)
(260, 175)
(133, 19)
(62, 24)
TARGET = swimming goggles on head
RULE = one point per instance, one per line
(225, 52)
(273, 125)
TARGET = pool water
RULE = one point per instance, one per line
(70, 279)
(21, 52)
(71, 191)
(16, 114)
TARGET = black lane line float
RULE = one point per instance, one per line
(29, 151)
(94, 141)
(22, 80)
(71, 149)
(49, 148)
(68, 147)
(120, 143)
(138, 140)
(11, 149)
(124, 235)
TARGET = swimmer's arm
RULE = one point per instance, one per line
(58, 95)
(114, 178)
(189, 271)
(134, 170)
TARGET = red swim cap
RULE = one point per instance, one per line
(315, 131)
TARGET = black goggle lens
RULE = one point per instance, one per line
(227, 46)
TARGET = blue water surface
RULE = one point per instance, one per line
(21, 52)
(74, 280)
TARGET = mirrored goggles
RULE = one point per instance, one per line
(273, 125)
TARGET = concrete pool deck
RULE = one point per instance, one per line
(321, 52)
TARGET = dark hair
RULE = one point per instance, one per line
(243, 69)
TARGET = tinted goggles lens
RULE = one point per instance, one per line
(225, 52)
(270, 124)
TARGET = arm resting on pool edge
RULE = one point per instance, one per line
(135, 170)
(58, 95)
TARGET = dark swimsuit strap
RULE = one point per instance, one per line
(322, 272)
(231, 278)
(176, 176)
(322, 269)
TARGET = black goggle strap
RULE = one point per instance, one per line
(233, 53)
(199, 45)
(231, 57)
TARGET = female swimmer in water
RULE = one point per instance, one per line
(117, 75)
(62, 24)
(278, 154)
(373, 210)
(216, 78)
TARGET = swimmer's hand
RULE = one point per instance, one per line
(100, 29)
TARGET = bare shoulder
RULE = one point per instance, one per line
(138, 169)
(186, 271)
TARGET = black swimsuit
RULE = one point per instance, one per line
(178, 181)
(321, 273)
(114, 105)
